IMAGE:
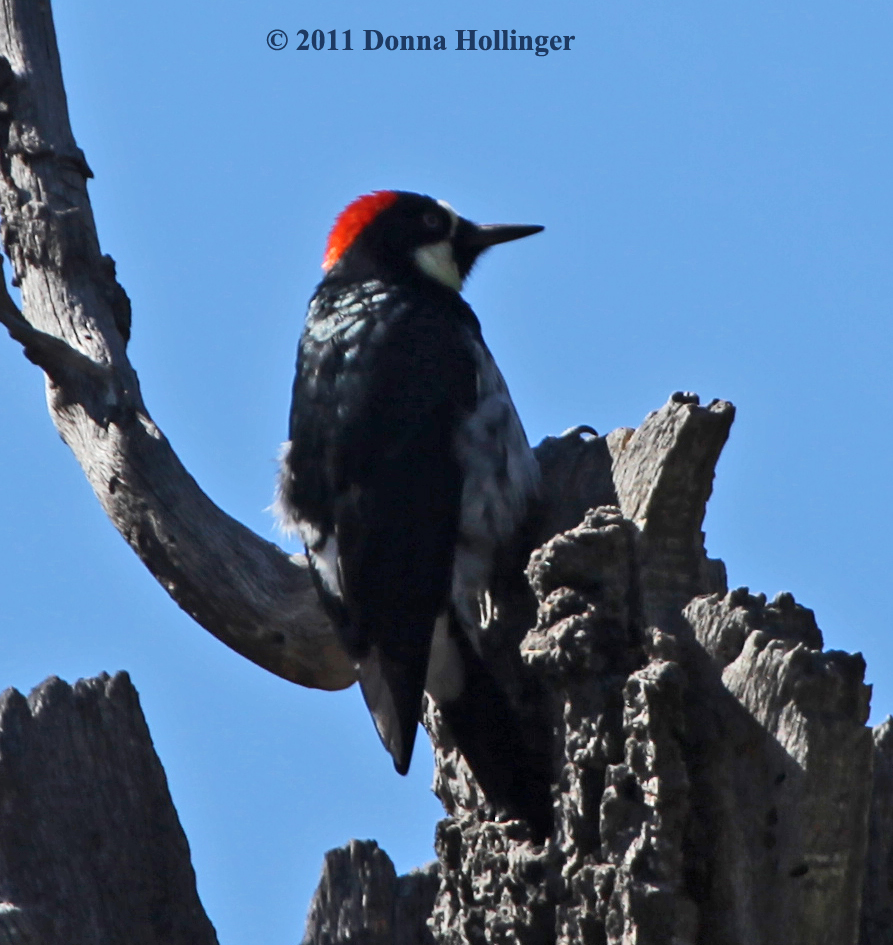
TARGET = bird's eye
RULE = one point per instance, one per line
(431, 220)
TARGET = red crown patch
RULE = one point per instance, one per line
(352, 220)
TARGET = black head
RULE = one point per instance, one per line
(404, 234)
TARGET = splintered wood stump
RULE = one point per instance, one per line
(91, 850)
(712, 768)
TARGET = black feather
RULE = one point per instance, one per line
(374, 415)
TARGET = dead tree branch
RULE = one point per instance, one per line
(76, 321)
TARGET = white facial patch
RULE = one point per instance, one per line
(436, 260)
(454, 217)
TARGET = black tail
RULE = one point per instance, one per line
(492, 740)
(393, 695)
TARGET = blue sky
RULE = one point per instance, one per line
(715, 186)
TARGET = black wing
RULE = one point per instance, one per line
(386, 465)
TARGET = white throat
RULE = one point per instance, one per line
(436, 260)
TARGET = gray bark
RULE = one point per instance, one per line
(91, 850)
(713, 771)
(876, 926)
(714, 781)
(362, 900)
(75, 325)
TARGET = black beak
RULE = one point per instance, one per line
(483, 235)
(472, 239)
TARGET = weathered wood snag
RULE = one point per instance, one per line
(91, 850)
(714, 781)
(712, 766)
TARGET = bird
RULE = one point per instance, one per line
(406, 468)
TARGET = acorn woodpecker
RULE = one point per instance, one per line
(405, 470)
